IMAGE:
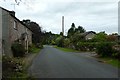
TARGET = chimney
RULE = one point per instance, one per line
(12, 13)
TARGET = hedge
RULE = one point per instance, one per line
(18, 49)
(86, 46)
(105, 49)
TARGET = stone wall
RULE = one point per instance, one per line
(5, 32)
(15, 34)
(10, 33)
(29, 36)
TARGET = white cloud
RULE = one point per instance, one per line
(97, 15)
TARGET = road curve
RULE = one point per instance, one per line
(54, 63)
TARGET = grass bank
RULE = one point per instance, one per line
(34, 50)
(112, 61)
(66, 49)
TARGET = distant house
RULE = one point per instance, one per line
(13, 29)
(89, 35)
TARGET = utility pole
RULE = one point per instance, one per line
(63, 25)
(14, 6)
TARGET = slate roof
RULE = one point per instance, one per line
(10, 12)
(86, 33)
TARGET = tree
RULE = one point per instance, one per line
(80, 29)
(71, 31)
(100, 37)
(36, 29)
(60, 41)
(73, 26)
(61, 33)
(66, 42)
(76, 38)
(49, 38)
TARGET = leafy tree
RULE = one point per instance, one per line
(61, 33)
(74, 34)
(49, 38)
(36, 29)
(80, 29)
(71, 31)
(60, 41)
(76, 38)
(100, 37)
(73, 25)
(66, 42)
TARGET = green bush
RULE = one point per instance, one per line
(30, 48)
(60, 41)
(34, 49)
(86, 46)
(81, 46)
(116, 53)
(53, 42)
(91, 46)
(10, 66)
(104, 49)
(66, 42)
(18, 49)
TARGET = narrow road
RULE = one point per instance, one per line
(54, 63)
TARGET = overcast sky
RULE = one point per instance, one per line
(93, 15)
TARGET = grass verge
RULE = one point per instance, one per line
(70, 50)
(112, 61)
(66, 49)
(35, 50)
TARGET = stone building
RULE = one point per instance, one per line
(13, 29)
(89, 35)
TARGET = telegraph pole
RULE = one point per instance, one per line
(63, 25)
(14, 6)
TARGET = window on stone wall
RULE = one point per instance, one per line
(15, 24)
